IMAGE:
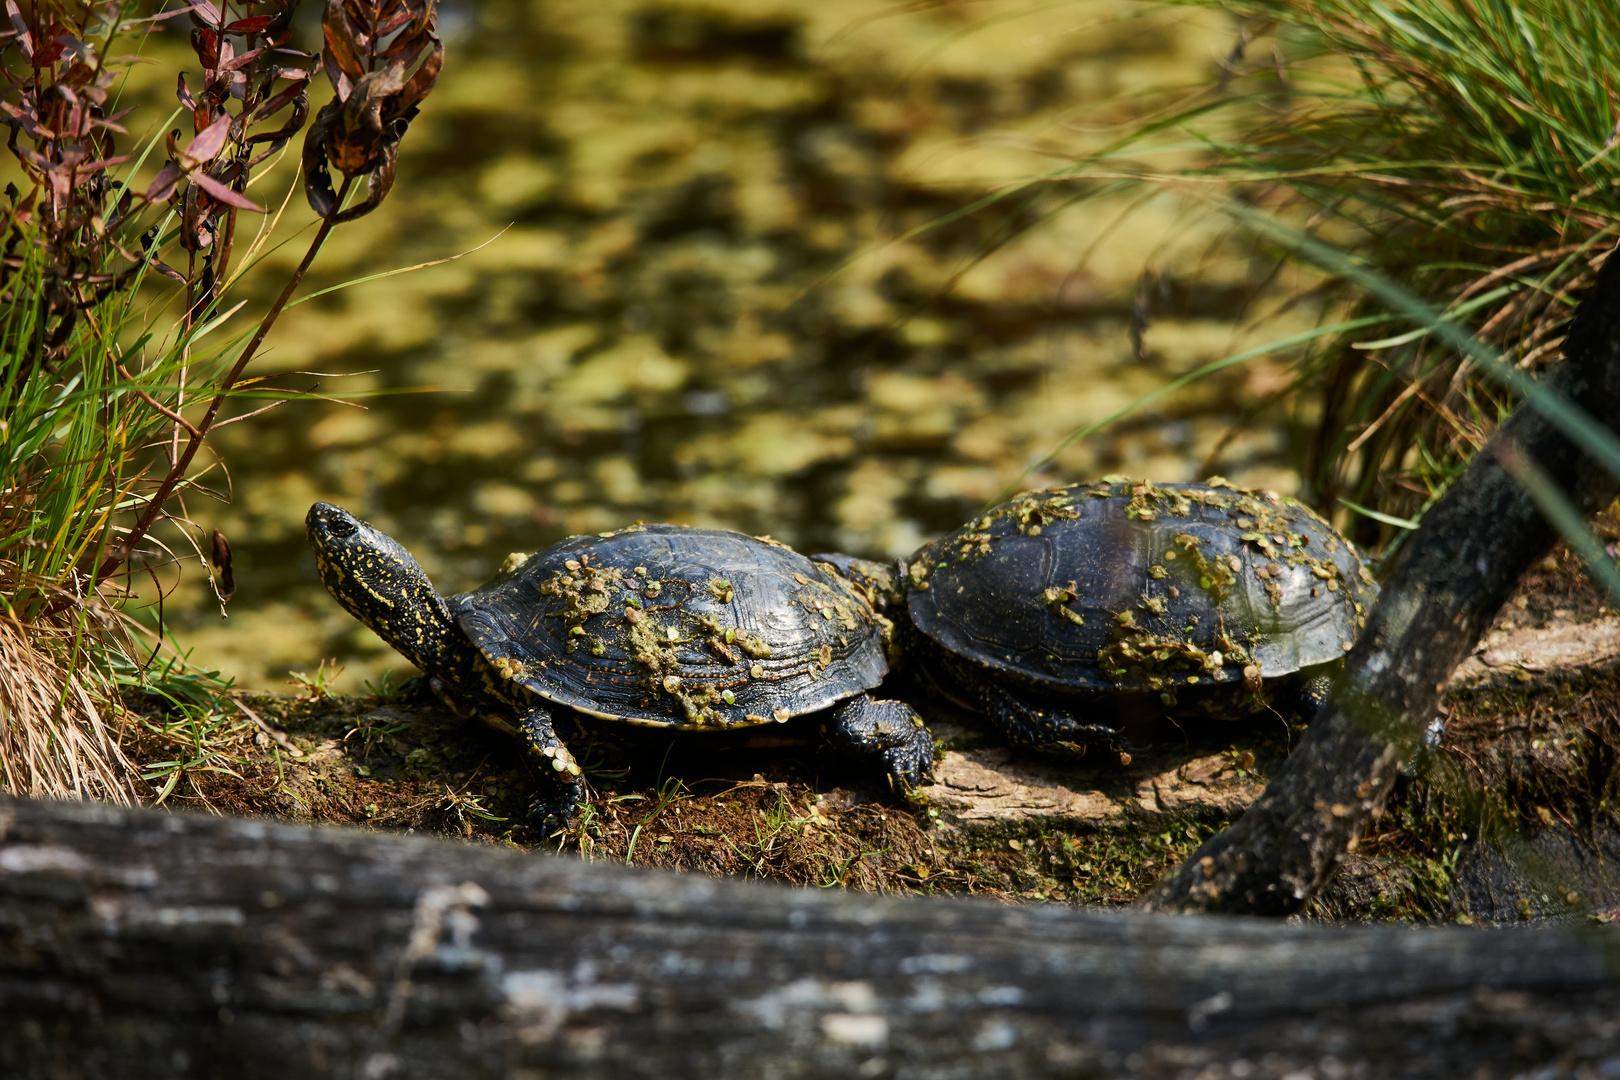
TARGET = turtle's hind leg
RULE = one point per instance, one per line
(889, 730)
(552, 810)
(1042, 729)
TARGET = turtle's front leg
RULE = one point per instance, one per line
(553, 810)
(889, 730)
(1026, 724)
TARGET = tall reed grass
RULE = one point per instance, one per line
(1466, 148)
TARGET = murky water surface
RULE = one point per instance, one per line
(717, 302)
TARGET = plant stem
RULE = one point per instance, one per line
(120, 552)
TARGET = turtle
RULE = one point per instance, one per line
(664, 626)
(1049, 611)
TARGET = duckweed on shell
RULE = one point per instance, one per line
(1251, 558)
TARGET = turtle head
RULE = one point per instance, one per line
(381, 584)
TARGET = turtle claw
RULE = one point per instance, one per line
(553, 812)
(891, 731)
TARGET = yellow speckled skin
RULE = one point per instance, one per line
(381, 584)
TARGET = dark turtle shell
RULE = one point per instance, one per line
(1139, 586)
(677, 627)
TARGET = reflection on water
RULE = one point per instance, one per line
(711, 307)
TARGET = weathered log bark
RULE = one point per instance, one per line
(1454, 574)
(135, 943)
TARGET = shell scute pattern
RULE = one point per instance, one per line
(1123, 585)
(678, 627)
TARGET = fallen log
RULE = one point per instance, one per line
(137, 943)
(1447, 584)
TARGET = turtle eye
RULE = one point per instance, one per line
(342, 527)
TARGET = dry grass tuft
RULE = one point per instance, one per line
(55, 740)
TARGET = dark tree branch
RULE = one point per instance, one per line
(135, 943)
(1455, 573)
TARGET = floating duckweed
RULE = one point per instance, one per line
(801, 579)
(652, 589)
(577, 631)
(728, 697)
(720, 589)
(825, 655)
(1154, 604)
(754, 645)
(513, 561)
(730, 635)
(757, 671)
(572, 564)
(672, 684)
(782, 716)
(598, 649)
(1158, 572)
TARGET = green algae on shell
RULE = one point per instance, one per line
(671, 626)
(1131, 585)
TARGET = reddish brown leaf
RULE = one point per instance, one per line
(209, 142)
(168, 271)
(340, 46)
(219, 191)
(422, 82)
(220, 556)
(182, 92)
(240, 62)
(104, 163)
(250, 25)
(48, 53)
(162, 186)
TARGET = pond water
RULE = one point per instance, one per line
(734, 289)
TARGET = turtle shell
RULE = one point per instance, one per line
(670, 626)
(1140, 586)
